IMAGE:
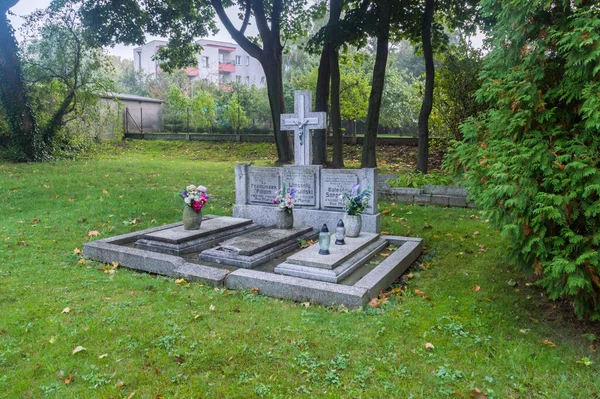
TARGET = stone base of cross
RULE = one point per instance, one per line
(301, 122)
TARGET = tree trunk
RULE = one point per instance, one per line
(426, 106)
(334, 65)
(322, 105)
(274, 81)
(369, 155)
(336, 119)
(24, 135)
(271, 59)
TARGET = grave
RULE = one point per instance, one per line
(246, 251)
(250, 256)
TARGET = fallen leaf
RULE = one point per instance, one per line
(78, 349)
(386, 211)
(105, 192)
(132, 395)
(22, 243)
(180, 281)
(548, 343)
(133, 293)
(211, 307)
(68, 379)
(178, 359)
(419, 292)
(429, 345)
(385, 233)
(35, 220)
(254, 291)
(385, 255)
(93, 233)
(66, 310)
(475, 393)
(51, 340)
(119, 384)
(475, 233)
(476, 288)
(81, 261)
(103, 356)
(306, 304)
(77, 251)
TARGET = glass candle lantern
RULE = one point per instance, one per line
(324, 241)
(340, 233)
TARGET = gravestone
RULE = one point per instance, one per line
(317, 198)
(301, 122)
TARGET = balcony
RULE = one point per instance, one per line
(227, 66)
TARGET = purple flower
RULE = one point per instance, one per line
(184, 193)
(292, 191)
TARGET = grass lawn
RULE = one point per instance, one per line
(147, 336)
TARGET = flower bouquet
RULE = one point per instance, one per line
(194, 198)
(285, 204)
(355, 202)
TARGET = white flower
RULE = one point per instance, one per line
(191, 187)
(188, 200)
(202, 189)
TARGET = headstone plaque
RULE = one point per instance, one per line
(262, 184)
(304, 180)
(333, 185)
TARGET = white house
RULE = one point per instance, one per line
(219, 63)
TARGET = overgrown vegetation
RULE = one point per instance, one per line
(532, 159)
(418, 179)
(488, 328)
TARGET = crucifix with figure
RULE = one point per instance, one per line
(301, 122)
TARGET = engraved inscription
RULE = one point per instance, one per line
(262, 184)
(304, 181)
(332, 186)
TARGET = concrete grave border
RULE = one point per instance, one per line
(275, 285)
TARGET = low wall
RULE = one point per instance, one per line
(260, 138)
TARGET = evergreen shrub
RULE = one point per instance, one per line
(531, 160)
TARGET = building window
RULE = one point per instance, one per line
(247, 60)
(204, 61)
(238, 60)
(221, 58)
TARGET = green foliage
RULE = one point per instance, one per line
(417, 179)
(455, 86)
(203, 110)
(401, 101)
(235, 115)
(532, 159)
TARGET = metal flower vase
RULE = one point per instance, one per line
(191, 219)
(284, 219)
(353, 224)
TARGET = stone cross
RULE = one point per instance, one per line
(301, 122)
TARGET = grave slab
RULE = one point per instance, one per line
(338, 273)
(257, 247)
(177, 235)
(337, 253)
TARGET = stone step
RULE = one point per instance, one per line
(340, 272)
(338, 254)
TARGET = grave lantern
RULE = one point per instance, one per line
(340, 233)
(324, 240)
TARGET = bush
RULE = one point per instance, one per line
(418, 179)
(531, 160)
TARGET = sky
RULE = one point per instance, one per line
(25, 7)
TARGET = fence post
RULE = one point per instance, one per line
(141, 121)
